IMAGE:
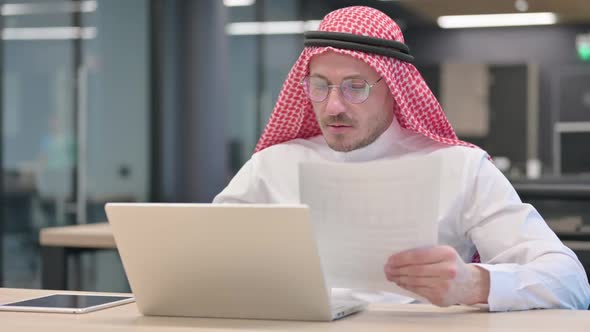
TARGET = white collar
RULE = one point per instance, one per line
(385, 145)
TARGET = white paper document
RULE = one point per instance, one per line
(362, 213)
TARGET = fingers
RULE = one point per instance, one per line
(420, 256)
(405, 281)
(436, 290)
(431, 272)
(444, 269)
(434, 295)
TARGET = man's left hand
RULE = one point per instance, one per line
(439, 274)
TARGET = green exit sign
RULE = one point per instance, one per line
(583, 46)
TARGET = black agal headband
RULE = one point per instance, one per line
(347, 41)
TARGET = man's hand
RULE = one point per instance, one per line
(440, 275)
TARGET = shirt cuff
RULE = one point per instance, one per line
(504, 286)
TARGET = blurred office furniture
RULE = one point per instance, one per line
(564, 202)
(492, 105)
(571, 120)
(59, 244)
(19, 188)
(553, 188)
(17, 213)
(464, 90)
(571, 148)
(62, 249)
(377, 317)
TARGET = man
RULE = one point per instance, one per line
(353, 95)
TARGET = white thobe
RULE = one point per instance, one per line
(529, 266)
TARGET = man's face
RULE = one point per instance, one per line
(347, 126)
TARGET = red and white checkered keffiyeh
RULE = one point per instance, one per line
(416, 107)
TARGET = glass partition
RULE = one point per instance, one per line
(75, 125)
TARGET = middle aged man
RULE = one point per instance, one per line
(354, 96)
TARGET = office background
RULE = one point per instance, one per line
(164, 100)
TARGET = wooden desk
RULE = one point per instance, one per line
(379, 317)
(94, 236)
(57, 243)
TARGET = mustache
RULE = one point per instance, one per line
(341, 118)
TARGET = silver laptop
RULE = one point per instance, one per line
(224, 260)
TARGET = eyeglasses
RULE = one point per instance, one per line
(354, 90)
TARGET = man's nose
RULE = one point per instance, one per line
(334, 102)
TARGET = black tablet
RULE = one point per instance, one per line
(67, 303)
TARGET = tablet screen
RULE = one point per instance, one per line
(68, 301)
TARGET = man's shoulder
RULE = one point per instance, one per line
(427, 146)
(458, 154)
(290, 150)
(465, 151)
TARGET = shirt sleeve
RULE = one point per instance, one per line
(529, 266)
(246, 187)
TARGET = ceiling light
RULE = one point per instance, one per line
(48, 33)
(496, 20)
(14, 9)
(271, 27)
(238, 3)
